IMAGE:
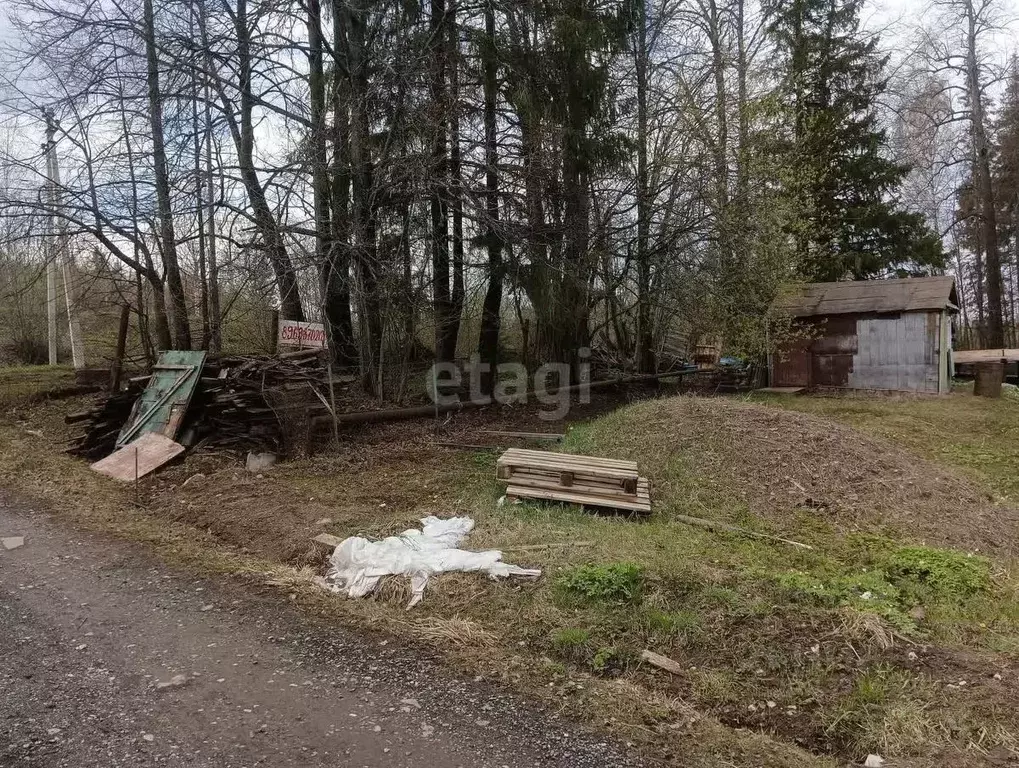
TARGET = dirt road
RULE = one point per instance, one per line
(110, 658)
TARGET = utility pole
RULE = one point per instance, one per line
(60, 251)
(51, 264)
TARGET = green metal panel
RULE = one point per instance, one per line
(164, 402)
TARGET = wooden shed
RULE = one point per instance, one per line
(869, 334)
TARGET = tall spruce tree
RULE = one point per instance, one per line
(1006, 156)
(1005, 181)
(560, 83)
(847, 220)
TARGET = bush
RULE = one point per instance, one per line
(617, 582)
(24, 352)
(607, 661)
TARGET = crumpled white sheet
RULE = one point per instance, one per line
(357, 564)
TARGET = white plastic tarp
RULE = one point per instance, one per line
(357, 564)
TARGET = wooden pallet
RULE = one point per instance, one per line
(586, 480)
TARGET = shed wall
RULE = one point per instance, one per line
(893, 351)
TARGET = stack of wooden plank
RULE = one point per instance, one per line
(103, 422)
(242, 402)
(586, 480)
(240, 399)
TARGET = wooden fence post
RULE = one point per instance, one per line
(118, 359)
(275, 325)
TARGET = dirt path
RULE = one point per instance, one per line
(90, 627)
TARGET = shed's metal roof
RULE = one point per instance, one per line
(907, 294)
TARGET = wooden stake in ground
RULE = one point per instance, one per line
(118, 359)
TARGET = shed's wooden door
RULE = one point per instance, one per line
(792, 365)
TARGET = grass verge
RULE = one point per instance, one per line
(882, 638)
(19, 383)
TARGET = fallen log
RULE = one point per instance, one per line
(74, 418)
(436, 409)
(466, 446)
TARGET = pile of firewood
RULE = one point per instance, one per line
(103, 422)
(243, 403)
(256, 403)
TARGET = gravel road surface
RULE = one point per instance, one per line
(110, 658)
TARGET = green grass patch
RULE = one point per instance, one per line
(19, 383)
(662, 626)
(612, 583)
(896, 581)
(940, 574)
(572, 643)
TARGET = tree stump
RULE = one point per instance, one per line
(989, 378)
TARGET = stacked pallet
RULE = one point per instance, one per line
(586, 480)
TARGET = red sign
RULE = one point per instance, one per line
(305, 335)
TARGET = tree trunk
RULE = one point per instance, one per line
(196, 140)
(215, 318)
(215, 338)
(979, 292)
(571, 332)
(961, 288)
(407, 261)
(336, 272)
(168, 237)
(491, 309)
(144, 339)
(441, 301)
(1014, 286)
(163, 339)
(984, 188)
(365, 247)
(335, 311)
(272, 237)
(644, 355)
(455, 190)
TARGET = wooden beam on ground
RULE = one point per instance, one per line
(465, 446)
(641, 502)
(662, 662)
(550, 436)
(971, 356)
(551, 545)
(715, 524)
